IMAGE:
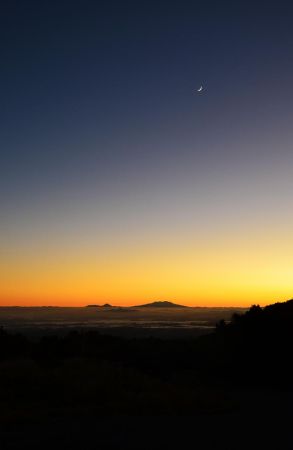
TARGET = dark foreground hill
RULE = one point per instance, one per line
(243, 369)
(256, 346)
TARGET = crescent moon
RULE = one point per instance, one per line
(200, 89)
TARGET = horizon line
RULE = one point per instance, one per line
(128, 306)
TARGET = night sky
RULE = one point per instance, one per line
(119, 182)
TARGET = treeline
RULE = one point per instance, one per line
(251, 345)
(92, 373)
(257, 345)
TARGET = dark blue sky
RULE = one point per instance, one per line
(100, 116)
(96, 88)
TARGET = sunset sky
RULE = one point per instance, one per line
(119, 182)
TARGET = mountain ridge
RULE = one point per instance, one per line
(156, 304)
(161, 304)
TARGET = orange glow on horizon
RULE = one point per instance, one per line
(224, 273)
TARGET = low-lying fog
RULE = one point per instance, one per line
(135, 321)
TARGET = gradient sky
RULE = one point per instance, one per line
(118, 181)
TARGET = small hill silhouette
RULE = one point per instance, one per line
(106, 305)
(161, 304)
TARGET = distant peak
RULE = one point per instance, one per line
(161, 304)
(106, 305)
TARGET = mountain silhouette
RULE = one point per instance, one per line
(160, 304)
(106, 305)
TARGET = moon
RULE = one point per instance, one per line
(200, 89)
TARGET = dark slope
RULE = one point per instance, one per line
(256, 347)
